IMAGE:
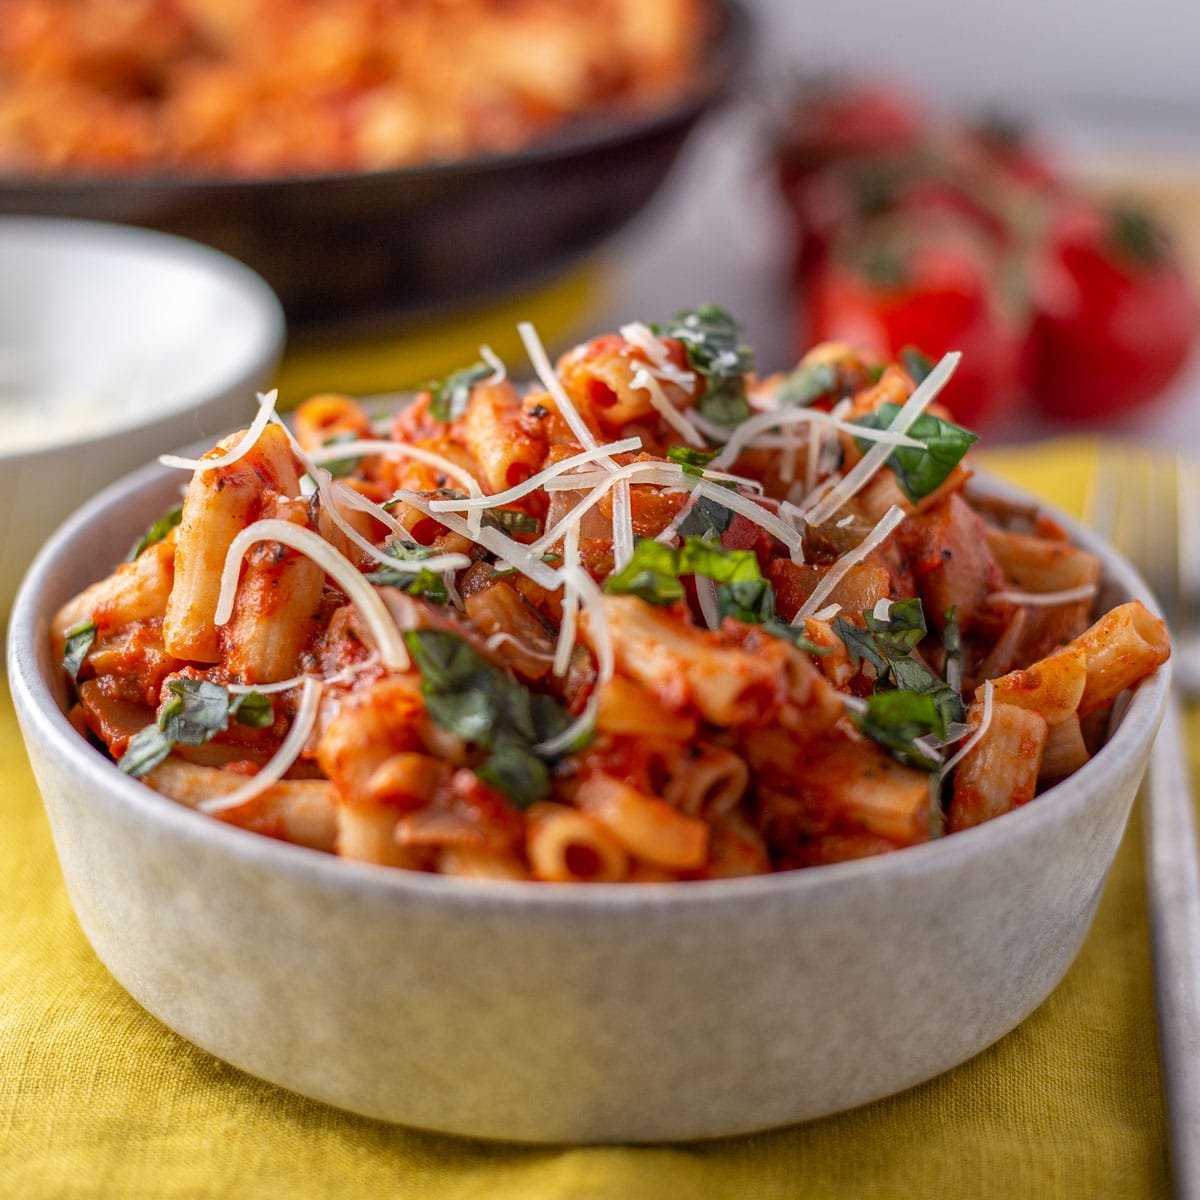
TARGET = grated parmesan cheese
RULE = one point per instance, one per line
(861, 473)
(389, 643)
(243, 446)
(277, 766)
(1045, 599)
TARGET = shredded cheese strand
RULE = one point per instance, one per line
(499, 370)
(510, 553)
(706, 595)
(600, 638)
(362, 595)
(570, 604)
(655, 349)
(745, 433)
(289, 750)
(622, 525)
(754, 512)
(286, 685)
(550, 380)
(243, 446)
(385, 448)
(644, 380)
(406, 566)
(837, 570)
(860, 474)
(496, 640)
(1073, 595)
(985, 719)
(520, 490)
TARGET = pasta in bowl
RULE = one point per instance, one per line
(680, 639)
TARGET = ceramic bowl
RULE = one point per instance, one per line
(422, 238)
(563, 1013)
(114, 343)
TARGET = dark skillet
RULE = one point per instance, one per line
(421, 238)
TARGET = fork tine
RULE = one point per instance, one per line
(1187, 474)
(1149, 510)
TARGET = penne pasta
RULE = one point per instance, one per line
(535, 636)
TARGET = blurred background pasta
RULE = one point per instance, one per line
(279, 87)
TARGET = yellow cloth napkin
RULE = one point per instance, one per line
(97, 1099)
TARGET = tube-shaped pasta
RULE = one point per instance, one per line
(1053, 686)
(369, 728)
(321, 419)
(567, 846)
(479, 862)
(135, 591)
(219, 504)
(1065, 751)
(1038, 564)
(625, 708)
(367, 833)
(728, 684)
(644, 825)
(278, 597)
(1123, 646)
(707, 781)
(1001, 770)
(296, 810)
(506, 447)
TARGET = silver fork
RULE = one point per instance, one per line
(1148, 508)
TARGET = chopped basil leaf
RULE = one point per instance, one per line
(917, 365)
(198, 711)
(808, 384)
(511, 520)
(706, 516)
(147, 748)
(713, 341)
(887, 644)
(253, 710)
(894, 719)
(79, 641)
(693, 461)
(515, 770)
(449, 398)
(952, 641)
(901, 630)
(749, 600)
(156, 532)
(654, 574)
(483, 705)
(920, 471)
(423, 582)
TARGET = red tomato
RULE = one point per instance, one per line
(1116, 317)
(934, 293)
(831, 132)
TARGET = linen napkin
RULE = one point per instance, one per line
(97, 1099)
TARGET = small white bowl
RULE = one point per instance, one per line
(115, 343)
(543, 1012)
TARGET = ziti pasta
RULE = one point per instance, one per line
(652, 618)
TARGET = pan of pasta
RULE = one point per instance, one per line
(654, 750)
(361, 155)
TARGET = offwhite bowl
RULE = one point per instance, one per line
(541, 1012)
(115, 343)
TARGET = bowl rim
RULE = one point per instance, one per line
(47, 234)
(36, 705)
(711, 81)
